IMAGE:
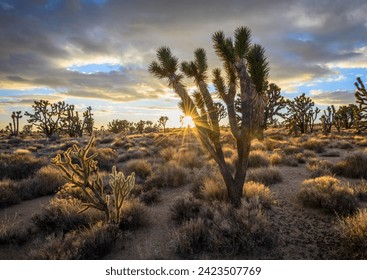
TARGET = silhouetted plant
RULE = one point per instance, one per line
(48, 117)
(13, 127)
(162, 122)
(361, 95)
(247, 69)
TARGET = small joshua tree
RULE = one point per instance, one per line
(162, 122)
(85, 176)
(117, 126)
(14, 128)
(247, 69)
(327, 119)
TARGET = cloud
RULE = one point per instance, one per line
(340, 97)
(304, 40)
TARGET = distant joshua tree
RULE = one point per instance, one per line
(301, 115)
(140, 126)
(162, 122)
(246, 68)
(13, 127)
(48, 117)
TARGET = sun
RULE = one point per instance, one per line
(187, 121)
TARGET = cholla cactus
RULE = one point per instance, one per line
(121, 188)
(84, 175)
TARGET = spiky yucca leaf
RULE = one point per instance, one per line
(258, 67)
(242, 41)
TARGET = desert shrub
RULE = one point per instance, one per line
(168, 175)
(61, 215)
(8, 193)
(105, 140)
(352, 166)
(265, 175)
(227, 232)
(309, 154)
(131, 154)
(328, 193)
(258, 159)
(272, 144)
(106, 157)
(168, 153)
(68, 144)
(133, 215)
(279, 158)
(89, 243)
(253, 189)
(354, 234)
(69, 191)
(256, 145)
(185, 208)
(47, 180)
(320, 168)
(315, 145)
(213, 188)
(291, 149)
(141, 167)
(14, 234)
(344, 145)
(360, 190)
(149, 196)
(188, 158)
(19, 166)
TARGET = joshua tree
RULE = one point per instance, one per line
(117, 126)
(162, 122)
(327, 119)
(88, 120)
(301, 113)
(48, 117)
(247, 69)
(347, 115)
(361, 95)
(14, 128)
(140, 126)
(275, 102)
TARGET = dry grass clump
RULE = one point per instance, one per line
(253, 189)
(68, 144)
(352, 166)
(185, 208)
(8, 193)
(87, 244)
(188, 158)
(354, 234)
(257, 145)
(258, 159)
(141, 167)
(360, 190)
(328, 193)
(292, 149)
(168, 153)
(225, 231)
(106, 158)
(265, 175)
(14, 234)
(168, 175)
(320, 168)
(22, 151)
(150, 197)
(19, 166)
(134, 214)
(315, 145)
(61, 215)
(345, 145)
(213, 188)
(272, 144)
(105, 140)
(131, 154)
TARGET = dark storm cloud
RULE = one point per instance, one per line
(40, 39)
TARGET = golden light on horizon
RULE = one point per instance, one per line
(187, 122)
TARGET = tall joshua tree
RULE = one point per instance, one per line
(245, 65)
(361, 95)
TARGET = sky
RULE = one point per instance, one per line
(97, 52)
